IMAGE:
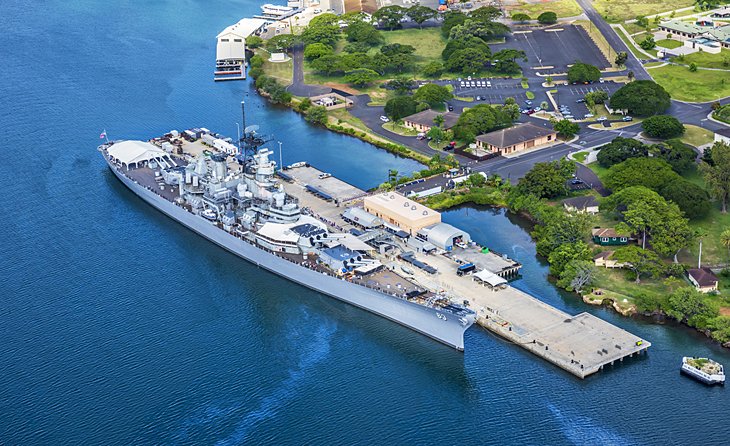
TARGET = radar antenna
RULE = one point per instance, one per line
(250, 141)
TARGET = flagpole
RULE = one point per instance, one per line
(106, 137)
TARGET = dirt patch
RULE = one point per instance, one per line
(725, 311)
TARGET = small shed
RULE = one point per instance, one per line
(609, 237)
(703, 279)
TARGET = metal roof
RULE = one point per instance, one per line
(515, 135)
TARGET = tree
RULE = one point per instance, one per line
(399, 107)
(433, 69)
(648, 43)
(482, 30)
(725, 239)
(692, 67)
(520, 17)
(652, 173)
(452, 19)
(420, 14)
(642, 262)
(439, 120)
(486, 13)
(477, 180)
(282, 42)
(505, 60)
(662, 126)
(544, 105)
(356, 47)
(480, 119)
(642, 98)
(642, 21)
(577, 275)
(433, 94)
(558, 228)
(317, 50)
(630, 76)
(689, 305)
(717, 175)
(566, 253)
(253, 42)
(679, 155)
(621, 58)
(547, 18)
(363, 32)
(549, 80)
(566, 128)
(256, 61)
(401, 85)
(598, 96)
(691, 198)
(437, 134)
(316, 115)
(390, 16)
(583, 72)
(327, 64)
(469, 42)
(322, 29)
(621, 149)
(397, 48)
(547, 180)
(361, 77)
(467, 61)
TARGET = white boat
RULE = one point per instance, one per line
(704, 370)
(209, 214)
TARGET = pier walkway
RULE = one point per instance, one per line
(581, 344)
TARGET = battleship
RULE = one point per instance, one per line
(232, 194)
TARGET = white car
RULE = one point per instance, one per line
(588, 115)
(384, 119)
(601, 119)
(489, 84)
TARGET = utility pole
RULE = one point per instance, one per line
(281, 158)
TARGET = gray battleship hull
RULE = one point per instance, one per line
(436, 323)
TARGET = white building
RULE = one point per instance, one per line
(231, 43)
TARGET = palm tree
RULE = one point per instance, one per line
(700, 234)
(725, 239)
(439, 120)
(392, 176)
(630, 75)
(549, 80)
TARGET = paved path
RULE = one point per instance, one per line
(298, 87)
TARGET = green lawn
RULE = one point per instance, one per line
(621, 10)
(617, 280)
(282, 71)
(633, 28)
(563, 8)
(694, 176)
(700, 86)
(629, 43)
(580, 156)
(696, 136)
(399, 129)
(704, 59)
(428, 42)
(669, 43)
(713, 252)
(598, 170)
(722, 114)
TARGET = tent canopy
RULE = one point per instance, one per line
(134, 152)
(490, 279)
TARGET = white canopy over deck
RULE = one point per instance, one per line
(138, 152)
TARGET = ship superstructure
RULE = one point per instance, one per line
(232, 196)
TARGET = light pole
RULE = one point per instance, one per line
(238, 132)
(281, 162)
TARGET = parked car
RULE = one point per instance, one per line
(588, 115)
(601, 119)
(384, 119)
(528, 102)
(576, 181)
(479, 98)
(451, 108)
(601, 80)
(468, 78)
(489, 84)
(568, 117)
(580, 101)
(627, 119)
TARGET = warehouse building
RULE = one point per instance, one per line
(402, 212)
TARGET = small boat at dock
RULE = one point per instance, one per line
(704, 370)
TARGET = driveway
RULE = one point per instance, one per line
(298, 87)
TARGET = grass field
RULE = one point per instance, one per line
(713, 253)
(580, 156)
(669, 43)
(563, 8)
(700, 86)
(615, 11)
(696, 136)
(428, 42)
(629, 43)
(704, 59)
(282, 71)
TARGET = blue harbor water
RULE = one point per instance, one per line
(119, 326)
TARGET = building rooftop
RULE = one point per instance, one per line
(703, 276)
(581, 203)
(607, 232)
(514, 135)
(684, 27)
(400, 205)
(426, 117)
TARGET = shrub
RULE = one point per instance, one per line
(547, 18)
(662, 126)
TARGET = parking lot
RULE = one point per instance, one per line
(557, 47)
(496, 91)
(568, 95)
